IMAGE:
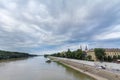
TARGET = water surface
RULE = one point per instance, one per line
(37, 69)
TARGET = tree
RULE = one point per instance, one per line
(9, 55)
(105, 58)
(78, 54)
(68, 53)
(114, 58)
(62, 54)
(99, 53)
(110, 59)
(58, 54)
(118, 56)
(89, 57)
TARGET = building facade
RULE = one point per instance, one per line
(109, 52)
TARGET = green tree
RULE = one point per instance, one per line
(78, 54)
(68, 53)
(58, 54)
(115, 58)
(62, 54)
(110, 59)
(105, 58)
(89, 57)
(99, 53)
(118, 56)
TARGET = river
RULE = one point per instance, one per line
(37, 69)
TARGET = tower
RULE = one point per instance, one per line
(80, 47)
(86, 48)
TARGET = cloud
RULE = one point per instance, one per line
(111, 33)
(50, 26)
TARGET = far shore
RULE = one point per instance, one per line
(96, 73)
(17, 58)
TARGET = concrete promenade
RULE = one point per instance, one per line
(97, 73)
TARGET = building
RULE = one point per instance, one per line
(109, 52)
(112, 52)
(92, 54)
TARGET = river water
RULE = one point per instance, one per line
(37, 69)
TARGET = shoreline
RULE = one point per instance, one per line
(97, 74)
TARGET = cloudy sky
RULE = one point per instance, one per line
(46, 26)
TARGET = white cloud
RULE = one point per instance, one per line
(31, 24)
(112, 33)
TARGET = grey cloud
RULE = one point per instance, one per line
(30, 24)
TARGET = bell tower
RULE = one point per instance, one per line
(86, 48)
(81, 47)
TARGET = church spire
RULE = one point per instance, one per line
(80, 47)
(86, 48)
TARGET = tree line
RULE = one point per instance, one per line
(77, 54)
(9, 55)
(82, 55)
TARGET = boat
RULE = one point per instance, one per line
(48, 61)
(103, 67)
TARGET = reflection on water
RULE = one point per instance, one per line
(14, 59)
(3, 62)
(37, 69)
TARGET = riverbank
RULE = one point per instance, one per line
(98, 74)
(4, 55)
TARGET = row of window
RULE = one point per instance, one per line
(113, 53)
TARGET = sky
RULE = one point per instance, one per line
(49, 26)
